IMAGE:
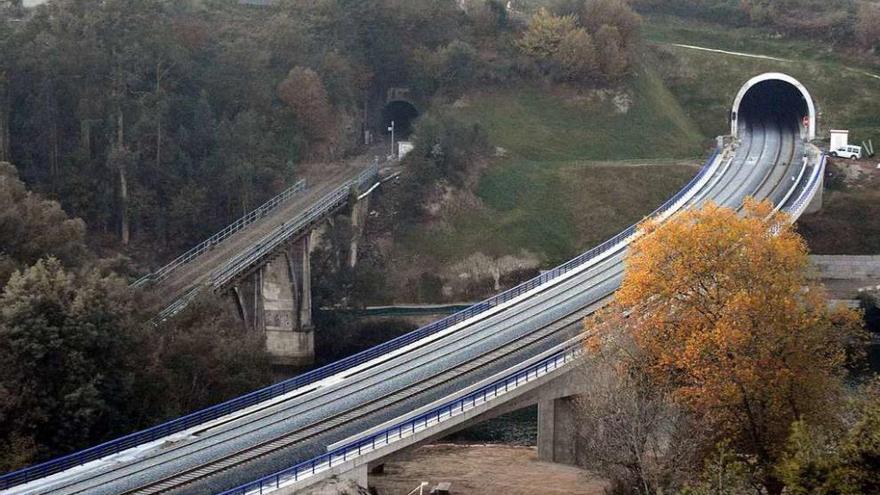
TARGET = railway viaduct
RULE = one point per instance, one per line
(518, 348)
(263, 261)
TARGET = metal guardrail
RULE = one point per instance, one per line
(196, 418)
(410, 427)
(163, 273)
(178, 305)
(403, 310)
(803, 201)
(271, 241)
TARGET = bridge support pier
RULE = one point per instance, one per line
(277, 300)
(340, 483)
(557, 430)
(359, 212)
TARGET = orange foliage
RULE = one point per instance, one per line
(728, 324)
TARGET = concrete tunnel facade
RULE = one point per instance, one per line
(775, 96)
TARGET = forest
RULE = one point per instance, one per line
(159, 122)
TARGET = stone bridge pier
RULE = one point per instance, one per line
(276, 299)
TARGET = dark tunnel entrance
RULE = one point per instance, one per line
(403, 114)
(774, 99)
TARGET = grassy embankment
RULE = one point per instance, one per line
(576, 171)
(705, 83)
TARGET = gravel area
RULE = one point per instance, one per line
(484, 470)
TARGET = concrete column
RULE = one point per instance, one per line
(359, 475)
(300, 256)
(277, 300)
(359, 213)
(287, 343)
(246, 295)
(557, 431)
(345, 482)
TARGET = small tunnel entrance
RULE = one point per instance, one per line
(403, 113)
(775, 99)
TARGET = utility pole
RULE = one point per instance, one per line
(392, 139)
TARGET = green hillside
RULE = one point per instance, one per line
(577, 168)
(845, 90)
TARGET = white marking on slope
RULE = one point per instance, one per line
(763, 57)
(727, 52)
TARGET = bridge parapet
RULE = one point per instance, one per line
(356, 455)
(311, 377)
(241, 264)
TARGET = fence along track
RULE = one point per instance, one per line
(254, 453)
(260, 212)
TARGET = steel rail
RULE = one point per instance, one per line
(670, 201)
(263, 449)
(287, 230)
(569, 292)
(227, 462)
(410, 427)
(270, 242)
(765, 179)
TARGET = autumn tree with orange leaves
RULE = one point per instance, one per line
(727, 324)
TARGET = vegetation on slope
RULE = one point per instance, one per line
(717, 337)
(575, 167)
(548, 195)
(80, 363)
(844, 88)
(849, 221)
(705, 83)
(845, 23)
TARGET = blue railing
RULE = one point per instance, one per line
(306, 379)
(410, 427)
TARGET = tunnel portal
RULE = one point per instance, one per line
(403, 113)
(775, 97)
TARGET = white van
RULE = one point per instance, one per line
(849, 151)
